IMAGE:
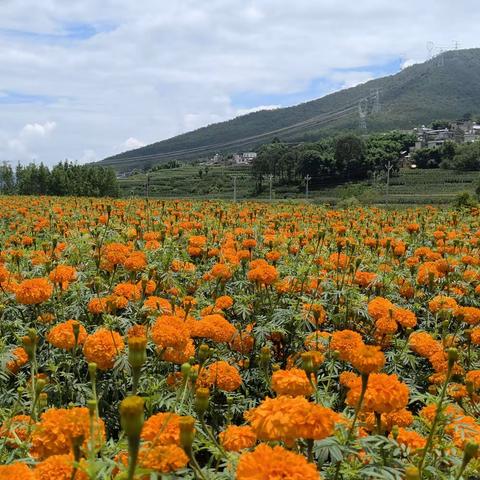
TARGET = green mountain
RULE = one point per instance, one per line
(445, 87)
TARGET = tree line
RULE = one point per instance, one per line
(449, 155)
(332, 160)
(63, 179)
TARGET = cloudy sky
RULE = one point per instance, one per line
(84, 79)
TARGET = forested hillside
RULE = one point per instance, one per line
(445, 87)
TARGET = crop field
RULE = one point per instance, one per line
(253, 341)
(430, 186)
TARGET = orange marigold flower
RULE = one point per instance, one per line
(345, 342)
(423, 344)
(224, 376)
(427, 271)
(221, 271)
(399, 418)
(33, 291)
(215, 327)
(385, 393)
(63, 275)
(162, 429)
(57, 428)
(289, 418)
(160, 304)
(292, 382)
(136, 261)
(115, 254)
(457, 391)
(404, 317)
(224, 302)
(102, 347)
(315, 313)
(17, 470)
(20, 358)
(473, 376)
(450, 412)
(15, 429)
(365, 279)
(368, 359)
(162, 458)
(442, 303)
(130, 291)
(275, 462)
(411, 439)
(63, 335)
(58, 467)
(242, 342)
(179, 356)
(470, 315)
(464, 429)
(234, 438)
(170, 331)
(386, 325)
(96, 306)
(263, 275)
(379, 307)
(475, 336)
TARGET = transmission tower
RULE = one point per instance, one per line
(362, 114)
(376, 107)
(430, 47)
(440, 59)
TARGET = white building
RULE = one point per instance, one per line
(244, 158)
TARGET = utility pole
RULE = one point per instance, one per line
(307, 179)
(234, 188)
(147, 185)
(389, 168)
(270, 178)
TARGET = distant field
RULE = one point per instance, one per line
(410, 186)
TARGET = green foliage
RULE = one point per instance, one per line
(63, 179)
(465, 200)
(329, 161)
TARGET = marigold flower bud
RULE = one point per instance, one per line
(452, 356)
(202, 400)
(92, 370)
(137, 351)
(39, 385)
(203, 352)
(471, 450)
(307, 363)
(131, 415)
(412, 473)
(265, 355)
(186, 368)
(42, 400)
(187, 432)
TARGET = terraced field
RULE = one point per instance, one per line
(410, 186)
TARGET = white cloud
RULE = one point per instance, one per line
(244, 111)
(23, 146)
(132, 143)
(37, 129)
(157, 68)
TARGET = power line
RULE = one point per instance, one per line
(313, 121)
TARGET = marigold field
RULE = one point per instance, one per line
(209, 340)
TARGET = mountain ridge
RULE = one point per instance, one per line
(446, 87)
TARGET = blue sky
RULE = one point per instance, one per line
(317, 87)
(84, 80)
